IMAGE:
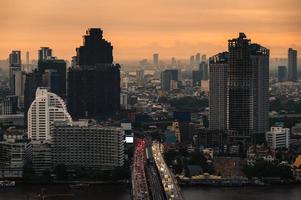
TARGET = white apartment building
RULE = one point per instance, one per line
(44, 110)
(278, 137)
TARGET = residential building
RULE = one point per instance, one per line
(44, 110)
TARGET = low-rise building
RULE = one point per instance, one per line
(12, 154)
(278, 137)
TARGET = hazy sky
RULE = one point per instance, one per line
(137, 28)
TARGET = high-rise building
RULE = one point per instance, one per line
(204, 58)
(198, 58)
(94, 84)
(80, 145)
(196, 78)
(14, 67)
(168, 77)
(140, 77)
(44, 110)
(27, 60)
(282, 73)
(45, 53)
(156, 59)
(260, 57)
(33, 80)
(248, 83)
(239, 87)
(191, 61)
(292, 65)
(218, 91)
(203, 68)
(54, 75)
(173, 62)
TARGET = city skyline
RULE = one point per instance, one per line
(170, 28)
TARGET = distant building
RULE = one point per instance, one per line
(44, 110)
(196, 78)
(79, 145)
(156, 59)
(203, 68)
(9, 105)
(191, 61)
(282, 73)
(204, 58)
(140, 77)
(278, 137)
(168, 77)
(45, 53)
(94, 84)
(14, 69)
(218, 91)
(197, 58)
(54, 75)
(292, 65)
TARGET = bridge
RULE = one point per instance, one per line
(151, 178)
(170, 185)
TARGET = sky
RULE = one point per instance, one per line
(139, 28)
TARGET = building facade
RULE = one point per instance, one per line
(168, 77)
(218, 91)
(282, 73)
(292, 65)
(44, 110)
(278, 137)
(89, 146)
(94, 83)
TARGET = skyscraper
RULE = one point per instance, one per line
(14, 67)
(45, 53)
(191, 61)
(94, 83)
(44, 110)
(248, 83)
(239, 84)
(260, 57)
(203, 68)
(54, 75)
(218, 91)
(168, 77)
(140, 77)
(198, 58)
(156, 59)
(282, 73)
(292, 65)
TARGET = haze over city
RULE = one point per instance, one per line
(140, 27)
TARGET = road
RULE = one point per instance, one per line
(170, 185)
(139, 180)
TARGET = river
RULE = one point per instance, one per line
(120, 192)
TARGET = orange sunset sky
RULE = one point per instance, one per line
(138, 28)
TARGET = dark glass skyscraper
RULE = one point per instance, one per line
(239, 86)
(292, 65)
(94, 83)
(54, 75)
(282, 73)
(168, 77)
